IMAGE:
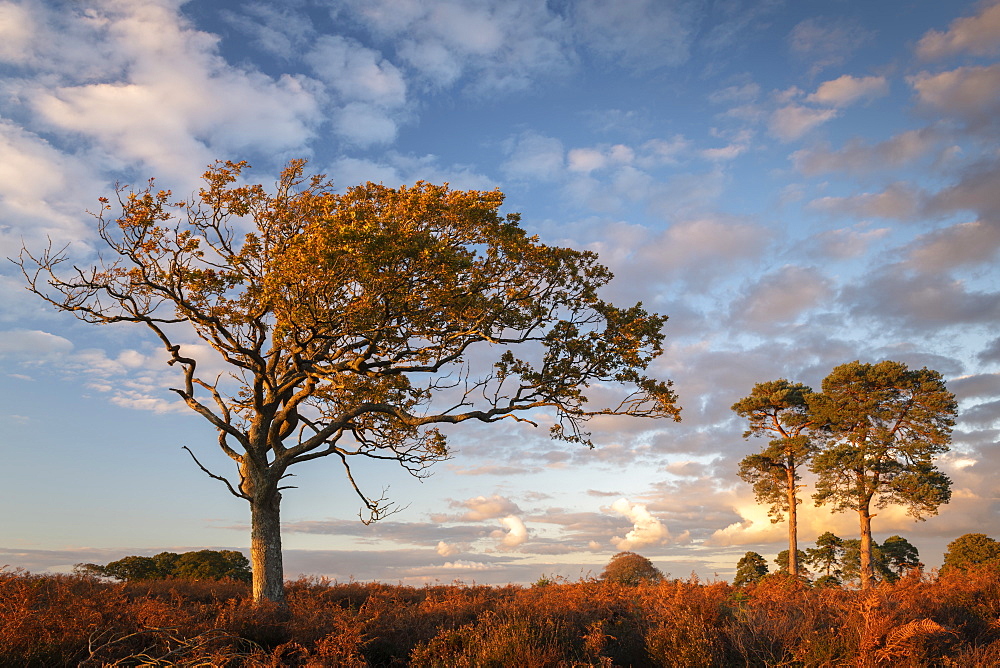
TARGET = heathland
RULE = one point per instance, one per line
(947, 619)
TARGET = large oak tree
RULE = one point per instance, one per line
(884, 424)
(355, 323)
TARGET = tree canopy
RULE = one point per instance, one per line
(900, 556)
(354, 324)
(750, 569)
(781, 560)
(970, 550)
(196, 565)
(629, 568)
(827, 554)
(851, 563)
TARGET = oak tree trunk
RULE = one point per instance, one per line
(265, 548)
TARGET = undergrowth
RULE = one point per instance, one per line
(71, 620)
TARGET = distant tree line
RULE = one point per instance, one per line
(197, 565)
(836, 561)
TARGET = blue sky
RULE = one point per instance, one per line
(796, 184)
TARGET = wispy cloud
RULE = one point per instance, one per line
(846, 90)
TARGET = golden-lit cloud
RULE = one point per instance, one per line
(515, 535)
(846, 90)
(978, 35)
(646, 529)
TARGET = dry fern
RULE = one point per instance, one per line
(898, 640)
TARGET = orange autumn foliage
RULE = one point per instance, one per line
(63, 620)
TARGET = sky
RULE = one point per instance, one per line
(797, 185)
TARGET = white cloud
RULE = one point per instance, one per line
(846, 90)
(590, 159)
(697, 253)
(586, 160)
(137, 113)
(447, 550)
(533, 156)
(742, 93)
(656, 152)
(792, 121)
(350, 171)
(646, 529)
(32, 343)
(434, 60)
(364, 124)
(463, 565)
(978, 35)
(755, 527)
(131, 379)
(738, 146)
(17, 32)
(515, 535)
(43, 193)
(356, 72)
(143, 401)
(505, 45)
(394, 169)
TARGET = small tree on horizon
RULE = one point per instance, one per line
(629, 568)
(750, 569)
(781, 560)
(851, 563)
(353, 325)
(827, 554)
(900, 556)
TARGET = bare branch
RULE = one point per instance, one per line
(217, 477)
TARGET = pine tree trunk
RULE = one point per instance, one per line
(793, 528)
(867, 579)
(265, 548)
